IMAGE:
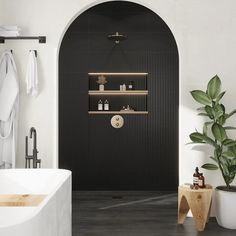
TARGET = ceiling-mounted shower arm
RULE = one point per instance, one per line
(117, 37)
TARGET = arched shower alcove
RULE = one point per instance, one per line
(143, 154)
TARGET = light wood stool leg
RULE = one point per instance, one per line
(198, 201)
(183, 209)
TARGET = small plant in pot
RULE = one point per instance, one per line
(215, 133)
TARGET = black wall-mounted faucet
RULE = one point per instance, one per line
(34, 157)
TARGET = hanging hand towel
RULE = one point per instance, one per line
(9, 104)
(32, 75)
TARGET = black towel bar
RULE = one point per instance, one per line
(41, 39)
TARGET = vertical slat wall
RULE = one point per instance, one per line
(143, 155)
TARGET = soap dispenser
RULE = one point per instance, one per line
(100, 105)
(106, 105)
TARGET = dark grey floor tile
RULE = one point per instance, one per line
(124, 213)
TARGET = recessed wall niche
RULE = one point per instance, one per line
(143, 154)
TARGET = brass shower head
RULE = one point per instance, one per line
(117, 37)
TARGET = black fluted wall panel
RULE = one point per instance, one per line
(143, 155)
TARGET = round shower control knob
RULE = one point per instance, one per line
(117, 121)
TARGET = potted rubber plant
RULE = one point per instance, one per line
(215, 133)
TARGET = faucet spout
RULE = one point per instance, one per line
(33, 131)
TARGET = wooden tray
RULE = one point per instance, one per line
(15, 200)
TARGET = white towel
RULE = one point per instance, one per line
(9, 33)
(9, 105)
(9, 30)
(32, 75)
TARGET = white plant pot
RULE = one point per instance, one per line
(225, 206)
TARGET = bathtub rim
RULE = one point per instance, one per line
(37, 209)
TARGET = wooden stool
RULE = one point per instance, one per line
(198, 201)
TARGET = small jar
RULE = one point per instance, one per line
(101, 87)
(131, 85)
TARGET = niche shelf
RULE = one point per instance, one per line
(118, 92)
(135, 98)
(118, 73)
(118, 112)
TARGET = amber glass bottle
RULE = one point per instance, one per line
(201, 181)
(195, 177)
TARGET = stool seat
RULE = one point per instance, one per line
(196, 200)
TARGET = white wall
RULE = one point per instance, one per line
(206, 38)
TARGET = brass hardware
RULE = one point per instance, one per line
(117, 121)
(117, 37)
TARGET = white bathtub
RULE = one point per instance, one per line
(52, 217)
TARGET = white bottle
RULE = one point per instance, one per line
(100, 105)
(106, 105)
(124, 87)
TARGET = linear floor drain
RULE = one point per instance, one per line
(117, 197)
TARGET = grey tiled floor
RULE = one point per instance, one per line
(146, 213)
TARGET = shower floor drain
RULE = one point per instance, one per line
(117, 197)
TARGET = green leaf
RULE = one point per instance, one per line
(217, 152)
(231, 113)
(210, 111)
(213, 87)
(229, 127)
(234, 161)
(210, 141)
(222, 107)
(221, 119)
(218, 132)
(210, 166)
(228, 161)
(225, 169)
(219, 110)
(231, 179)
(196, 137)
(202, 114)
(233, 150)
(191, 143)
(228, 154)
(229, 142)
(228, 179)
(224, 160)
(232, 168)
(220, 96)
(201, 97)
